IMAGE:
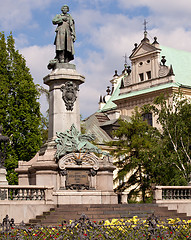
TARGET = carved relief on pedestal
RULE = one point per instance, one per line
(82, 160)
(78, 170)
(69, 94)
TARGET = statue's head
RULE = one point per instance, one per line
(65, 9)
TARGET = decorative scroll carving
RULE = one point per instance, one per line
(69, 94)
(86, 161)
(73, 141)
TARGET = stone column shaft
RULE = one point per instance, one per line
(61, 119)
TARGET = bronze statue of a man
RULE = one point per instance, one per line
(65, 36)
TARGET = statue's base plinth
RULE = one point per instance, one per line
(54, 64)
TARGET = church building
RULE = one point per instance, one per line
(154, 70)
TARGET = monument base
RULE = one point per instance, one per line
(85, 197)
(91, 182)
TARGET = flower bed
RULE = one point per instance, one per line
(149, 229)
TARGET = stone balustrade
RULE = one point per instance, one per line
(25, 202)
(172, 193)
(25, 193)
(174, 197)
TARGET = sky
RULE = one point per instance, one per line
(106, 30)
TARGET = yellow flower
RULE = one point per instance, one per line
(107, 222)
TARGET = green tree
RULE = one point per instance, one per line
(135, 151)
(174, 115)
(19, 109)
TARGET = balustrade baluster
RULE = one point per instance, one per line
(22, 194)
(173, 191)
(32, 194)
(188, 193)
(169, 193)
(37, 195)
(17, 193)
(185, 193)
(177, 193)
(9, 194)
(27, 194)
(163, 194)
(182, 193)
(42, 194)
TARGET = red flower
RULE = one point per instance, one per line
(85, 234)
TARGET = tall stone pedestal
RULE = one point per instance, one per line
(64, 107)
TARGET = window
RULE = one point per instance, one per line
(141, 77)
(148, 74)
(148, 117)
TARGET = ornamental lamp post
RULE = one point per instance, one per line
(3, 145)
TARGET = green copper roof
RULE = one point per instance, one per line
(146, 90)
(181, 64)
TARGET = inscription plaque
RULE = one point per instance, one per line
(77, 179)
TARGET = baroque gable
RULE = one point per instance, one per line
(144, 49)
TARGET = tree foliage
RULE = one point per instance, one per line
(174, 115)
(146, 156)
(19, 109)
(134, 151)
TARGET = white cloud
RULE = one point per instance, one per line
(21, 40)
(37, 59)
(104, 38)
(163, 13)
(15, 14)
(166, 6)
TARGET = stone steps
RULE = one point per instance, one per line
(103, 212)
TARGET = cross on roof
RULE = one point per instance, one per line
(125, 58)
(145, 25)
